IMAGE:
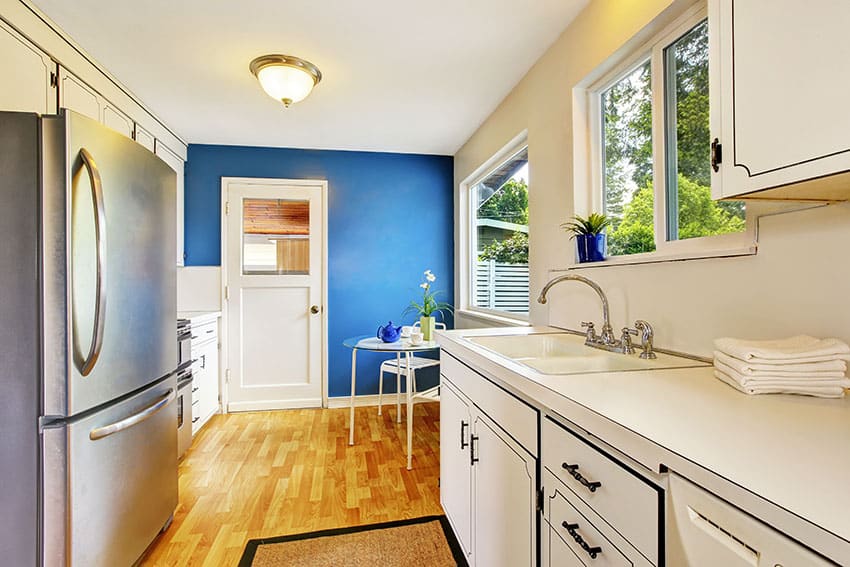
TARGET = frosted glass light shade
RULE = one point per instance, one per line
(285, 78)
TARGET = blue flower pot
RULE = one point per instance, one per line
(591, 247)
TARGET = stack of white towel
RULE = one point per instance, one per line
(797, 365)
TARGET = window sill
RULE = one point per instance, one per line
(660, 257)
(502, 320)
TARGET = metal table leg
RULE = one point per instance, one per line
(409, 414)
(353, 382)
(398, 387)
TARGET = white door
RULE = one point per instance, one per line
(274, 290)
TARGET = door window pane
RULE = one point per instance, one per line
(275, 237)
(691, 210)
(500, 237)
(627, 162)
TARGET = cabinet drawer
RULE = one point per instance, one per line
(627, 502)
(513, 415)
(203, 333)
(572, 535)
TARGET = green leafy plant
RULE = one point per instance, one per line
(595, 223)
(429, 304)
(513, 250)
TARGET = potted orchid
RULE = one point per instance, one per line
(428, 307)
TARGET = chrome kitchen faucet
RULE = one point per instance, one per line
(606, 340)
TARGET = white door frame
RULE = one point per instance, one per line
(261, 181)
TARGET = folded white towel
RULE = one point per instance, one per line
(826, 369)
(805, 390)
(780, 380)
(798, 349)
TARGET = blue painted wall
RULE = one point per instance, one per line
(390, 217)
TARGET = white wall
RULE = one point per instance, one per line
(797, 283)
(199, 288)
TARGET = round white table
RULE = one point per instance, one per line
(401, 346)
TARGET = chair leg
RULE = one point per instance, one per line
(398, 387)
(380, 390)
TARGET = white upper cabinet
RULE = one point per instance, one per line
(780, 79)
(176, 162)
(31, 71)
(144, 137)
(75, 95)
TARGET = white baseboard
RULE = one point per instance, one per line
(266, 405)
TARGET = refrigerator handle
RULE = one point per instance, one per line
(130, 421)
(100, 245)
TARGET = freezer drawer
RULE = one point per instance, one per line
(111, 480)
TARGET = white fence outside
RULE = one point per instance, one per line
(502, 286)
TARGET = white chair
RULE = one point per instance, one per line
(399, 367)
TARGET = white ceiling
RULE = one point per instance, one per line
(415, 77)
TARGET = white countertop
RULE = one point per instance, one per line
(792, 451)
(198, 317)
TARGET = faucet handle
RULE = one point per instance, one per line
(646, 338)
(591, 332)
(626, 340)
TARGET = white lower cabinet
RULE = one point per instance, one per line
(205, 378)
(488, 480)
(455, 480)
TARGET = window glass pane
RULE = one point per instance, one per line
(627, 161)
(500, 237)
(691, 211)
(275, 237)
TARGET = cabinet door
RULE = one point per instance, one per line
(176, 163)
(117, 120)
(209, 385)
(27, 71)
(779, 74)
(555, 552)
(77, 96)
(455, 474)
(504, 503)
(144, 137)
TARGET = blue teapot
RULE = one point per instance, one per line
(388, 333)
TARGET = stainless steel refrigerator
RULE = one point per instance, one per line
(88, 423)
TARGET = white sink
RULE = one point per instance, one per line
(566, 353)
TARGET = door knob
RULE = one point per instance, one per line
(314, 309)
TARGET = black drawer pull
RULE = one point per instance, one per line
(196, 418)
(573, 470)
(572, 529)
(472, 458)
(463, 442)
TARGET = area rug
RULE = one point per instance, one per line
(424, 542)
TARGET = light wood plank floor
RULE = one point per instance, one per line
(265, 474)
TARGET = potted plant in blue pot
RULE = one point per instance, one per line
(590, 235)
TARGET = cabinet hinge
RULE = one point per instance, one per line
(227, 207)
(540, 499)
(226, 292)
(54, 79)
(227, 376)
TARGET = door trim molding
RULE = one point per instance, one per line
(225, 366)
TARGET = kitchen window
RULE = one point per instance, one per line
(495, 235)
(650, 152)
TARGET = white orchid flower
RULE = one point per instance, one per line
(429, 276)
(423, 285)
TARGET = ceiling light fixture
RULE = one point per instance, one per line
(285, 78)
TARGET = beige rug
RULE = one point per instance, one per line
(424, 542)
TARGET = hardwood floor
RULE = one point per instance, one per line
(264, 474)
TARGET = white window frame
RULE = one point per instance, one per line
(588, 99)
(468, 237)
